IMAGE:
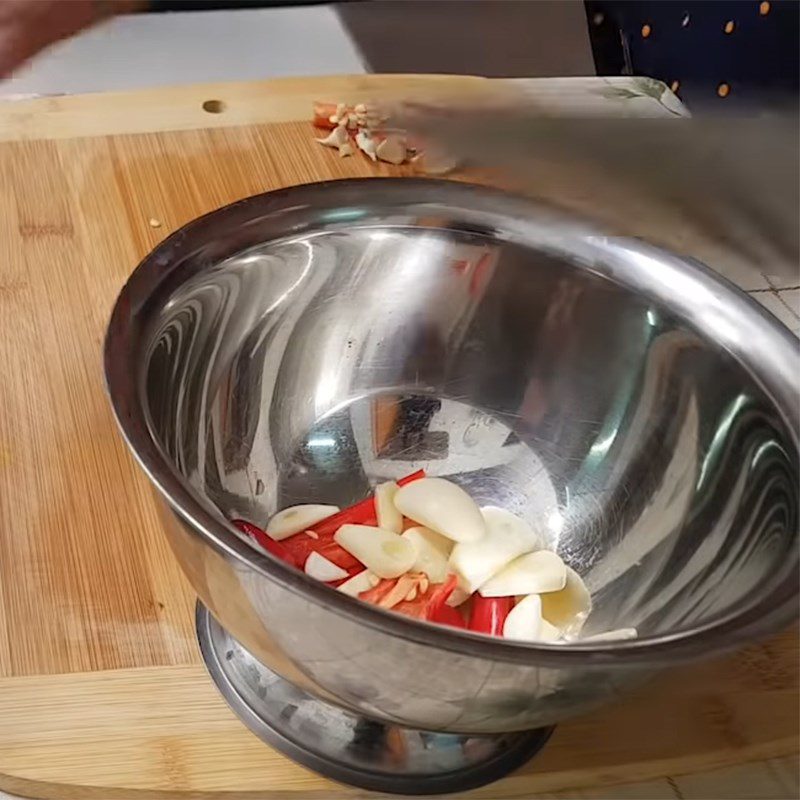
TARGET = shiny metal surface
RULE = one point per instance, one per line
(349, 747)
(304, 344)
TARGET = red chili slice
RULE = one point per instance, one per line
(362, 513)
(379, 591)
(489, 614)
(301, 545)
(447, 615)
(296, 549)
(270, 545)
(430, 604)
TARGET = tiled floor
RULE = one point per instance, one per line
(783, 304)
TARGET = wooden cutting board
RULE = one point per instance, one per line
(102, 691)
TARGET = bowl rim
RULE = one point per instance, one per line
(775, 344)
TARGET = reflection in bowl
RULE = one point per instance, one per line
(303, 345)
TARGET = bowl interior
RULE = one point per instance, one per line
(307, 368)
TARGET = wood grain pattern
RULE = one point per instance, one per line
(173, 108)
(130, 733)
(100, 589)
(101, 689)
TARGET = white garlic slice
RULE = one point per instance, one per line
(548, 633)
(524, 621)
(362, 582)
(442, 506)
(532, 573)
(617, 635)
(294, 519)
(336, 138)
(507, 536)
(345, 150)
(389, 518)
(319, 567)
(567, 609)
(383, 552)
(431, 558)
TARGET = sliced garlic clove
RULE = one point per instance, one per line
(567, 609)
(389, 517)
(548, 633)
(336, 138)
(345, 150)
(524, 621)
(533, 573)
(617, 635)
(319, 567)
(441, 543)
(294, 519)
(442, 506)
(392, 149)
(362, 582)
(367, 144)
(507, 536)
(382, 552)
(431, 560)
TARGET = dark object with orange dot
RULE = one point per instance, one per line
(744, 52)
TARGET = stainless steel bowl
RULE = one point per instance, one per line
(303, 344)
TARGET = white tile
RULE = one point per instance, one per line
(777, 308)
(142, 50)
(784, 280)
(791, 299)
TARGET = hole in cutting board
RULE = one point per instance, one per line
(214, 106)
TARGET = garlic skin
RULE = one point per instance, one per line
(295, 519)
(336, 138)
(443, 507)
(392, 149)
(366, 144)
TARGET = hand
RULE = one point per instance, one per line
(28, 26)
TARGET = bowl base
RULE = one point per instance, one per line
(346, 746)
